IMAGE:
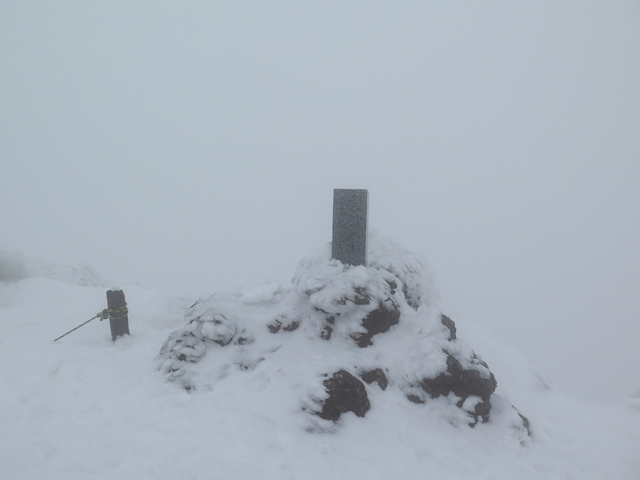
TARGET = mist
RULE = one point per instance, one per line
(194, 147)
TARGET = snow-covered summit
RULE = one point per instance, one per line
(87, 408)
(351, 331)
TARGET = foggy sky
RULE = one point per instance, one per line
(194, 147)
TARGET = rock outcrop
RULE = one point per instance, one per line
(357, 328)
(345, 394)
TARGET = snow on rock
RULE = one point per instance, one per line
(366, 327)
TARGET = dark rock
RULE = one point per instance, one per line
(275, 326)
(327, 329)
(244, 340)
(483, 409)
(463, 383)
(379, 320)
(447, 322)
(392, 285)
(346, 394)
(361, 300)
(361, 297)
(291, 326)
(377, 376)
(459, 381)
(415, 399)
(326, 332)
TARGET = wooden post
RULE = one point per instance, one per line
(350, 209)
(118, 313)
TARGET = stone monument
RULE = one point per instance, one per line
(350, 211)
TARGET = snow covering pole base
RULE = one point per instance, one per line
(118, 313)
(350, 209)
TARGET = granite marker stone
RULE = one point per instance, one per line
(350, 211)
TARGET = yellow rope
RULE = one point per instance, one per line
(118, 313)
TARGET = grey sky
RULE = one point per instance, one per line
(194, 146)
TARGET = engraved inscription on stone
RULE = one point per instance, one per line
(350, 209)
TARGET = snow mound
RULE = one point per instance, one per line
(14, 267)
(349, 331)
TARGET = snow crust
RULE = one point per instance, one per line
(88, 408)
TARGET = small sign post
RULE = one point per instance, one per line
(118, 313)
(350, 212)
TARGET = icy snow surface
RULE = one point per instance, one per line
(87, 408)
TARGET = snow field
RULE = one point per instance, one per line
(87, 408)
